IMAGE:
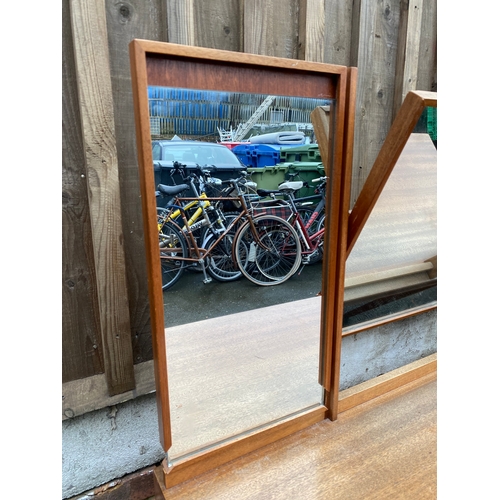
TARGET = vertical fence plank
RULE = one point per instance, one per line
(126, 21)
(271, 27)
(312, 36)
(81, 341)
(355, 30)
(218, 24)
(379, 24)
(410, 23)
(427, 53)
(400, 56)
(412, 47)
(338, 33)
(94, 89)
(180, 22)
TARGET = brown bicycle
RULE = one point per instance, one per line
(258, 244)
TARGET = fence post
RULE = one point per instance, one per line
(410, 23)
(88, 19)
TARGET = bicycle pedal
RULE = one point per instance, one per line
(207, 280)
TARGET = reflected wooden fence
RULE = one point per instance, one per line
(106, 326)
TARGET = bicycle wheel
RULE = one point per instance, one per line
(220, 263)
(172, 245)
(271, 258)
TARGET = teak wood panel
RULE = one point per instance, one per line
(155, 63)
(323, 460)
(332, 394)
(404, 123)
(337, 208)
(229, 77)
(387, 382)
(349, 227)
(207, 460)
(235, 72)
(141, 113)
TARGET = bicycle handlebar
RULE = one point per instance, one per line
(203, 174)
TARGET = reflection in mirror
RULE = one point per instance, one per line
(240, 355)
(393, 265)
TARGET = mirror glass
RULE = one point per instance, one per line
(240, 355)
(393, 264)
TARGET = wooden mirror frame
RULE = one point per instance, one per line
(173, 65)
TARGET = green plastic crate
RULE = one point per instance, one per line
(269, 177)
(306, 153)
(307, 171)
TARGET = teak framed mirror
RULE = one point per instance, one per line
(182, 67)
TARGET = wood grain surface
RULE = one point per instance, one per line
(408, 51)
(271, 27)
(385, 448)
(219, 24)
(126, 21)
(376, 60)
(81, 339)
(312, 30)
(88, 20)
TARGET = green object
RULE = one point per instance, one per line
(432, 123)
(269, 177)
(307, 171)
(307, 153)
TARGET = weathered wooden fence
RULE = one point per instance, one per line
(106, 333)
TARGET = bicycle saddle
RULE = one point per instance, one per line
(290, 186)
(214, 180)
(171, 190)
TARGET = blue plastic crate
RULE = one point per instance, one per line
(258, 155)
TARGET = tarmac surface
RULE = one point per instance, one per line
(192, 300)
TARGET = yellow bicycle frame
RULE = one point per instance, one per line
(191, 204)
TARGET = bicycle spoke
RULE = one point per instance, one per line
(274, 256)
(220, 261)
(172, 245)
